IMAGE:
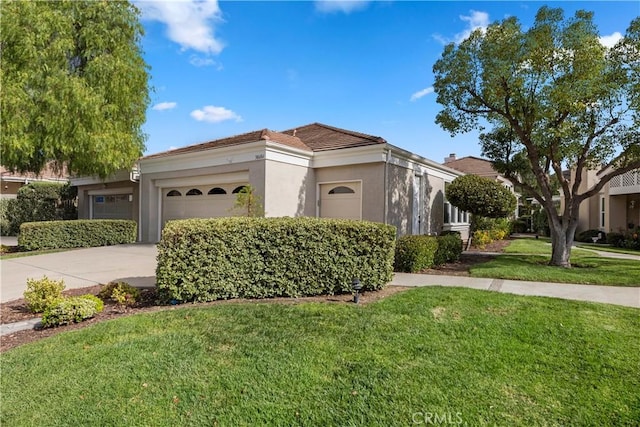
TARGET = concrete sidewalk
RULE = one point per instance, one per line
(134, 264)
(618, 295)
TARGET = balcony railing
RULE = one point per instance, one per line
(626, 183)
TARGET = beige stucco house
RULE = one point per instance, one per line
(616, 208)
(11, 182)
(314, 170)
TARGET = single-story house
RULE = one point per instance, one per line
(314, 170)
(11, 182)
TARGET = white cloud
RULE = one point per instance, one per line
(421, 93)
(344, 6)
(164, 106)
(610, 40)
(190, 23)
(213, 114)
(198, 61)
(476, 20)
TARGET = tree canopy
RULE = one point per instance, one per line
(74, 86)
(481, 196)
(547, 99)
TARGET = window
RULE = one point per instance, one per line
(174, 193)
(341, 190)
(194, 192)
(602, 212)
(238, 189)
(217, 190)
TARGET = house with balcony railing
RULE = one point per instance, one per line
(616, 208)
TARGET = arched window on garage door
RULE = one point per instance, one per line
(238, 189)
(194, 192)
(174, 193)
(217, 190)
(341, 190)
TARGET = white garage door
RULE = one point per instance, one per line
(341, 200)
(201, 201)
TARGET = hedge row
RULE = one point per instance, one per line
(417, 253)
(209, 259)
(76, 234)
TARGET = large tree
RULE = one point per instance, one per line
(74, 86)
(545, 100)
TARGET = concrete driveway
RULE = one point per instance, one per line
(134, 264)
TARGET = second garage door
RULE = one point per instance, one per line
(203, 201)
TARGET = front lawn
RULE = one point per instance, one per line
(527, 259)
(465, 355)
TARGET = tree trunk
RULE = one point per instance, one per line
(562, 235)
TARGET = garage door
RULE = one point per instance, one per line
(202, 201)
(114, 206)
(341, 200)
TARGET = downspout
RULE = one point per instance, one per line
(134, 176)
(386, 186)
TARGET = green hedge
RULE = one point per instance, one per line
(209, 259)
(420, 252)
(76, 234)
(449, 249)
(415, 253)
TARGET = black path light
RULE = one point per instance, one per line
(357, 287)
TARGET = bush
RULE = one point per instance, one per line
(42, 293)
(520, 225)
(7, 228)
(76, 234)
(615, 239)
(415, 253)
(481, 238)
(69, 310)
(502, 225)
(481, 196)
(98, 301)
(449, 248)
(588, 235)
(209, 259)
(120, 292)
(42, 201)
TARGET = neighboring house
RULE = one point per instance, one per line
(11, 182)
(482, 167)
(616, 208)
(314, 170)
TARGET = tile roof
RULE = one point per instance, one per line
(321, 137)
(473, 165)
(245, 138)
(49, 173)
(312, 137)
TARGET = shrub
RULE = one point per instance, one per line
(41, 293)
(501, 226)
(69, 310)
(520, 225)
(120, 292)
(76, 234)
(615, 239)
(481, 238)
(98, 301)
(43, 201)
(7, 227)
(588, 235)
(208, 259)
(481, 196)
(415, 253)
(449, 248)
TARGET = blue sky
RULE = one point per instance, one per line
(224, 68)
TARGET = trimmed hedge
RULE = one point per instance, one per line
(588, 235)
(449, 248)
(420, 252)
(209, 259)
(71, 310)
(415, 253)
(80, 233)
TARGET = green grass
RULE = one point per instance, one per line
(488, 358)
(607, 248)
(527, 259)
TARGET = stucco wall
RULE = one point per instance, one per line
(372, 176)
(150, 200)
(289, 190)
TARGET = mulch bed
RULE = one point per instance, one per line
(16, 310)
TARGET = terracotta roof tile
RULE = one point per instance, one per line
(245, 138)
(473, 165)
(321, 137)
